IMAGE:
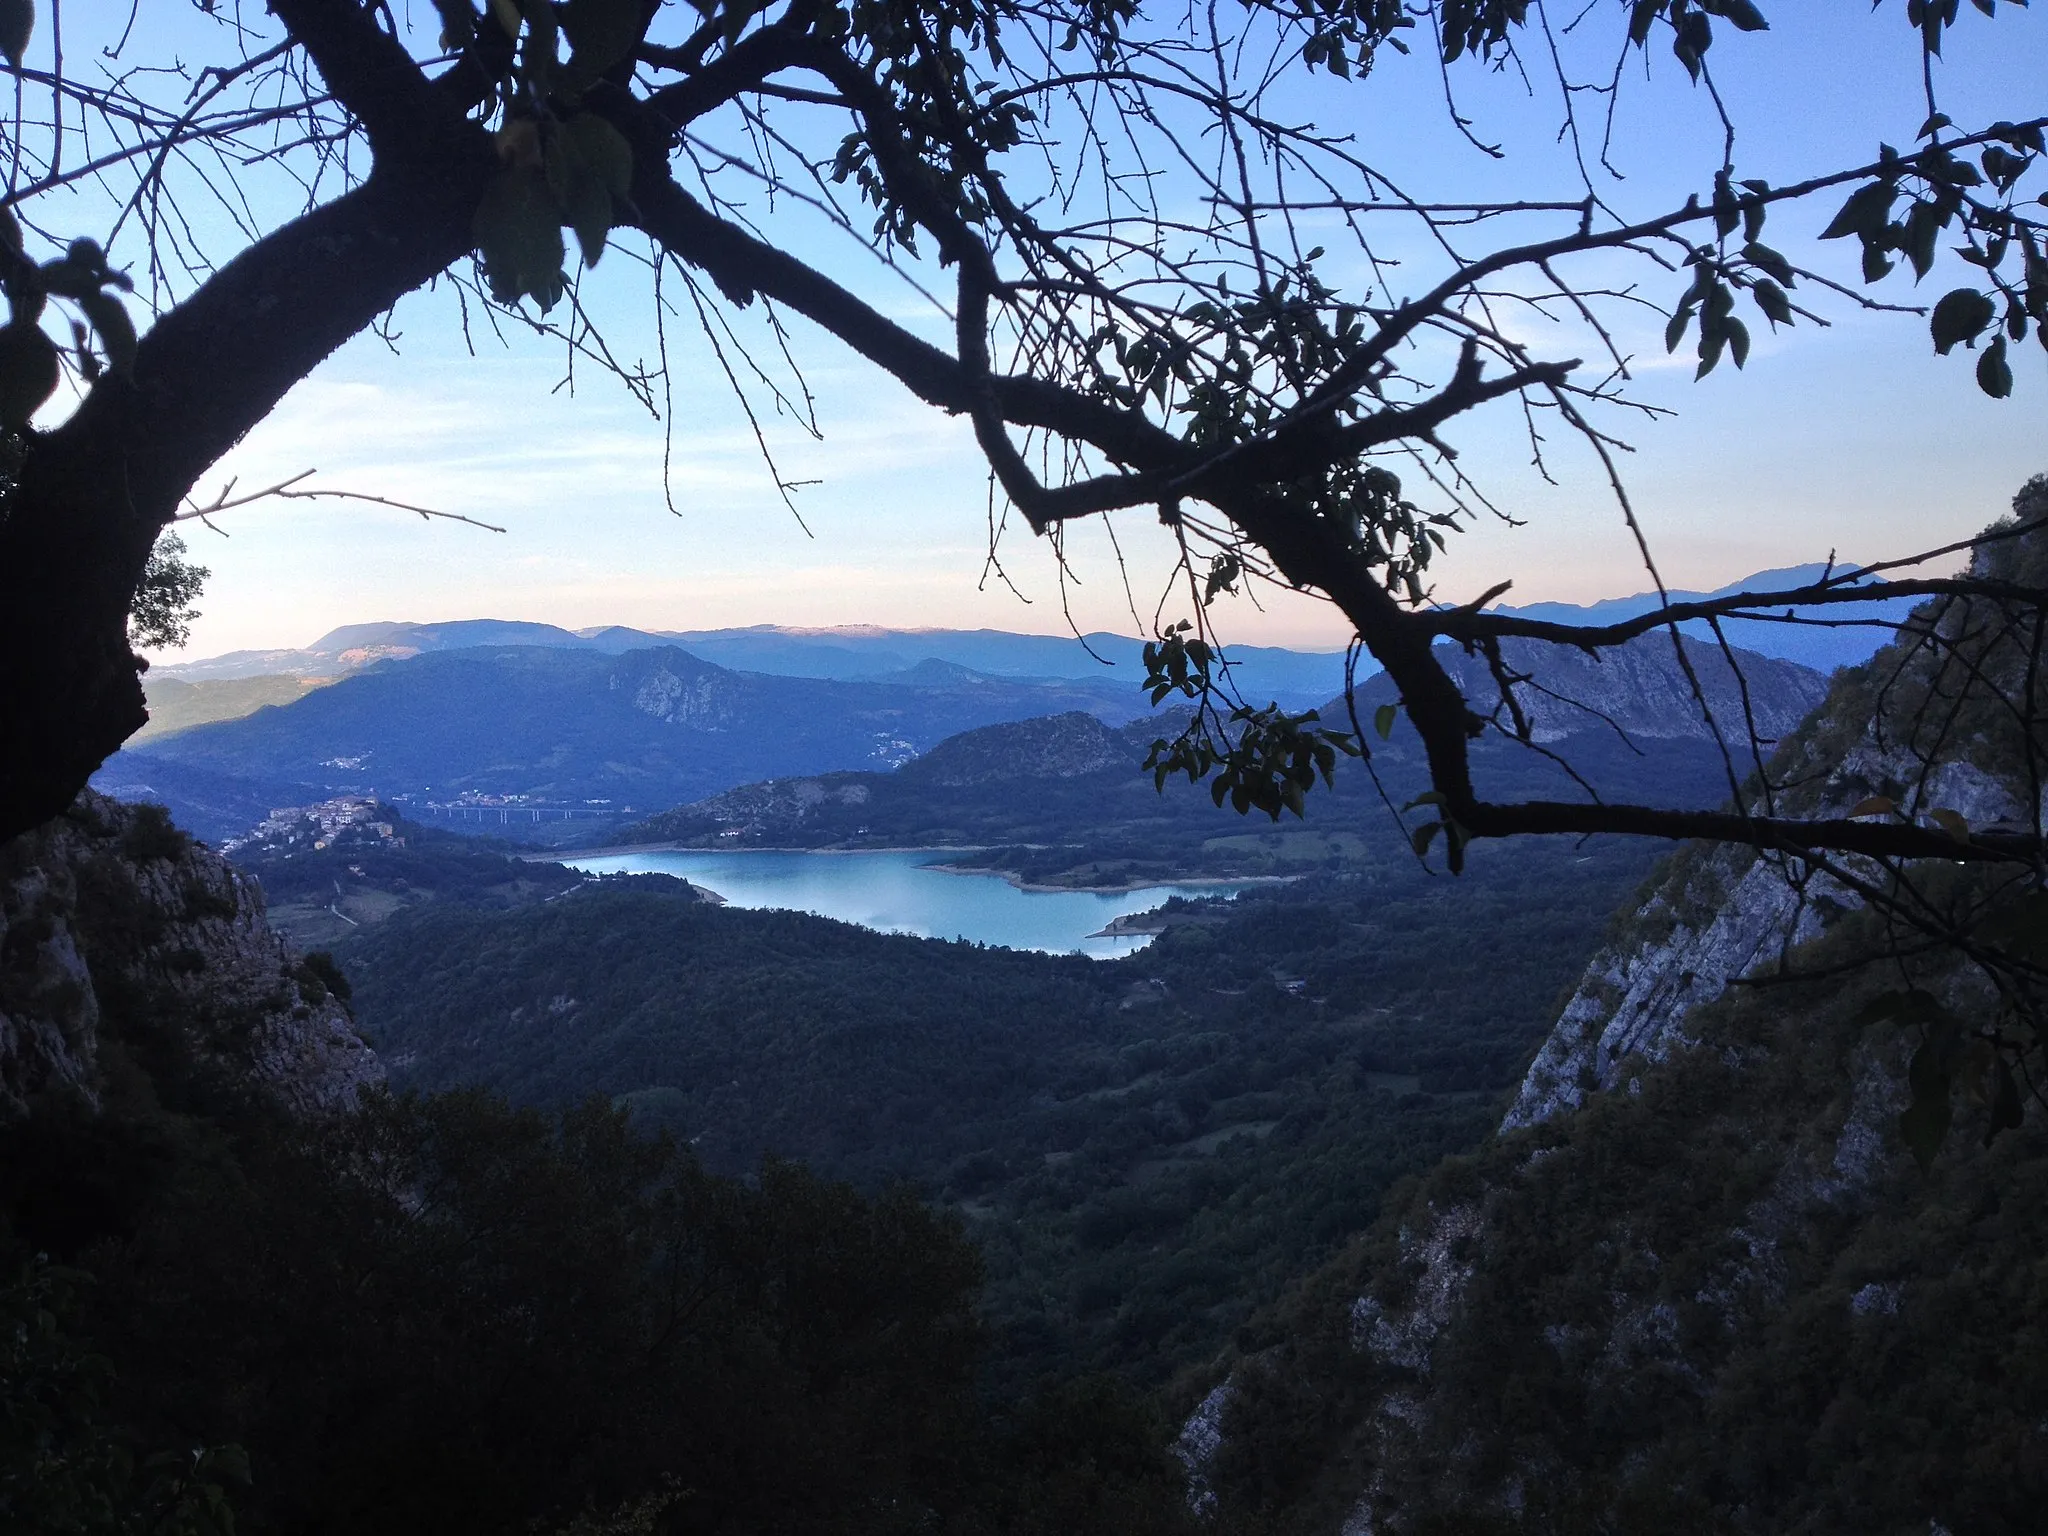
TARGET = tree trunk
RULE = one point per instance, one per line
(77, 530)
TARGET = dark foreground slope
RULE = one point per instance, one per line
(1144, 1147)
(242, 1288)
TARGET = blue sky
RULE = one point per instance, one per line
(1852, 439)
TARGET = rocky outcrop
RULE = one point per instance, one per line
(1698, 1283)
(1640, 689)
(675, 687)
(119, 933)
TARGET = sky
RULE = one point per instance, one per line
(1852, 440)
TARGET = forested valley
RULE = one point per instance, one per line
(1553, 1061)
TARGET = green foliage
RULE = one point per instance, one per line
(560, 166)
(17, 25)
(1918, 199)
(161, 613)
(440, 1315)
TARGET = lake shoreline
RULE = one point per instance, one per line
(1011, 877)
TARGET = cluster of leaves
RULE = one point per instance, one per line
(1294, 329)
(1261, 758)
(30, 362)
(1939, 188)
(1344, 36)
(1719, 274)
(162, 611)
(1692, 25)
(942, 125)
(559, 165)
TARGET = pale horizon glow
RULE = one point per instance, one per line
(1852, 441)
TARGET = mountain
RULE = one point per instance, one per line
(563, 733)
(354, 646)
(1063, 800)
(177, 705)
(126, 947)
(858, 653)
(1854, 632)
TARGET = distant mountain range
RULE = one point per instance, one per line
(872, 653)
(495, 723)
(855, 654)
(1850, 633)
(581, 732)
(1061, 801)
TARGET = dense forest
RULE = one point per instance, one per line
(1145, 1148)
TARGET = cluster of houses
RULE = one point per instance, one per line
(348, 819)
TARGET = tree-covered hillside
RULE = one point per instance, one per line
(1144, 1147)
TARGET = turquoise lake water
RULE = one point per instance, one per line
(900, 892)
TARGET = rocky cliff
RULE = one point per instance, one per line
(1697, 1283)
(1638, 689)
(121, 938)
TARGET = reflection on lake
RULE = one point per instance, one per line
(901, 892)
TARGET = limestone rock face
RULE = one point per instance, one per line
(1639, 690)
(117, 928)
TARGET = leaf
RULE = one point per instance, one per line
(601, 33)
(1423, 836)
(1383, 720)
(17, 26)
(1763, 256)
(1876, 805)
(1960, 315)
(1747, 17)
(1951, 822)
(1864, 213)
(590, 172)
(519, 235)
(116, 331)
(1923, 1126)
(10, 230)
(28, 373)
(1770, 298)
(1994, 373)
(2007, 1112)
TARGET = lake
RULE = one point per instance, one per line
(901, 891)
